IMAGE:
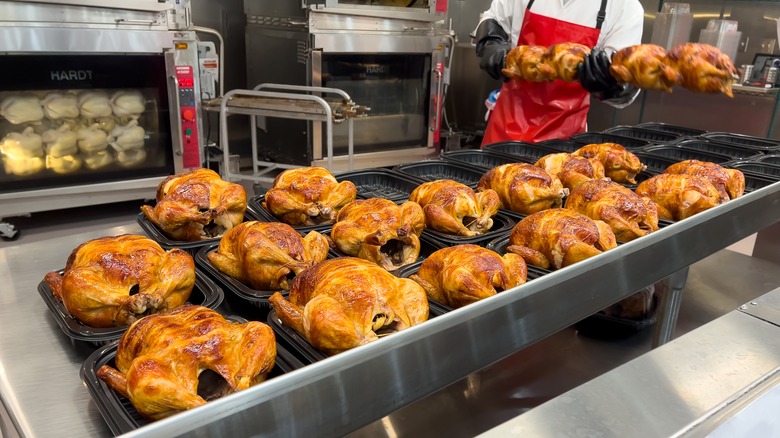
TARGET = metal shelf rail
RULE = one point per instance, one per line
(340, 394)
(286, 101)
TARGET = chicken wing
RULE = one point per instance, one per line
(679, 196)
(645, 66)
(454, 208)
(620, 165)
(524, 188)
(308, 196)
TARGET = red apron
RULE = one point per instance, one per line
(536, 111)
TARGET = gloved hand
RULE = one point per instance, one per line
(594, 76)
(492, 47)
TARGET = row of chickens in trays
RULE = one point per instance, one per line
(342, 303)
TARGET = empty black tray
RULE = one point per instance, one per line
(650, 135)
(120, 415)
(154, 233)
(528, 152)
(755, 182)
(745, 141)
(433, 170)
(768, 159)
(733, 152)
(601, 137)
(256, 206)
(680, 153)
(481, 158)
(205, 293)
(502, 225)
(561, 145)
(769, 171)
(674, 129)
(655, 163)
(381, 183)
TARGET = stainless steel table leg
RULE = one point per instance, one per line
(669, 308)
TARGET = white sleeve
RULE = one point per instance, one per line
(502, 11)
(625, 29)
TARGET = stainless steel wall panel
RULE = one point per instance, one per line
(373, 43)
(45, 15)
(62, 40)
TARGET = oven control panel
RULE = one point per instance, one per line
(188, 116)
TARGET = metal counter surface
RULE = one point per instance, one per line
(39, 366)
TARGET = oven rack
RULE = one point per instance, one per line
(289, 102)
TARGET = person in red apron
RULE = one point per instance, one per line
(536, 111)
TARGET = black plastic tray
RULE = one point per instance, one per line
(651, 135)
(301, 347)
(527, 152)
(674, 129)
(481, 158)
(164, 241)
(433, 170)
(381, 183)
(561, 145)
(255, 205)
(733, 152)
(680, 153)
(755, 182)
(502, 225)
(205, 292)
(773, 159)
(427, 247)
(603, 326)
(655, 163)
(601, 137)
(769, 171)
(120, 415)
(745, 141)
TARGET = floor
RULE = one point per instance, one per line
(716, 285)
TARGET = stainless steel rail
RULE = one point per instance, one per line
(352, 389)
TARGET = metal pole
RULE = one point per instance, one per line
(669, 308)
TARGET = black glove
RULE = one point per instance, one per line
(594, 76)
(492, 47)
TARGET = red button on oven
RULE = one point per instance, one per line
(188, 114)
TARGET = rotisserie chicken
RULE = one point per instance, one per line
(462, 274)
(454, 208)
(529, 63)
(645, 66)
(346, 302)
(703, 68)
(112, 281)
(565, 58)
(524, 188)
(380, 231)
(559, 237)
(127, 104)
(729, 182)
(308, 196)
(21, 109)
(628, 214)
(679, 196)
(94, 104)
(267, 255)
(160, 358)
(571, 169)
(60, 106)
(197, 205)
(620, 165)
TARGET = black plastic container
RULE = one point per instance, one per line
(733, 152)
(433, 170)
(154, 233)
(561, 145)
(602, 326)
(679, 153)
(755, 182)
(527, 152)
(759, 169)
(674, 129)
(303, 349)
(651, 135)
(120, 415)
(744, 141)
(773, 159)
(602, 137)
(481, 158)
(255, 205)
(205, 293)
(655, 163)
(502, 225)
(427, 247)
(381, 183)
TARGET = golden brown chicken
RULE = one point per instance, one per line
(462, 274)
(524, 188)
(620, 165)
(112, 281)
(645, 66)
(380, 231)
(559, 237)
(267, 255)
(679, 196)
(160, 357)
(454, 208)
(571, 169)
(703, 68)
(565, 58)
(729, 182)
(308, 196)
(197, 205)
(529, 63)
(628, 214)
(346, 302)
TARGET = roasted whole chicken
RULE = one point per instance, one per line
(454, 208)
(308, 196)
(160, 358)
(703, 68)
(462, 274)
(620, 165)
(559, 237)
(524, 188)
(197, 205)
(571, 169)
(565, 58)
(729, 182)
(679, 196)
(113, 281)
(645, 66)
(628, 214)
(346, 302)
(529, 63)
(380, 231)
(267, 255)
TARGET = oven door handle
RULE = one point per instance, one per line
(136, 22)
(439, 91)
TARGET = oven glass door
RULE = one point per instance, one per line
(82, 119)
(416, 4)
(394, 86)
